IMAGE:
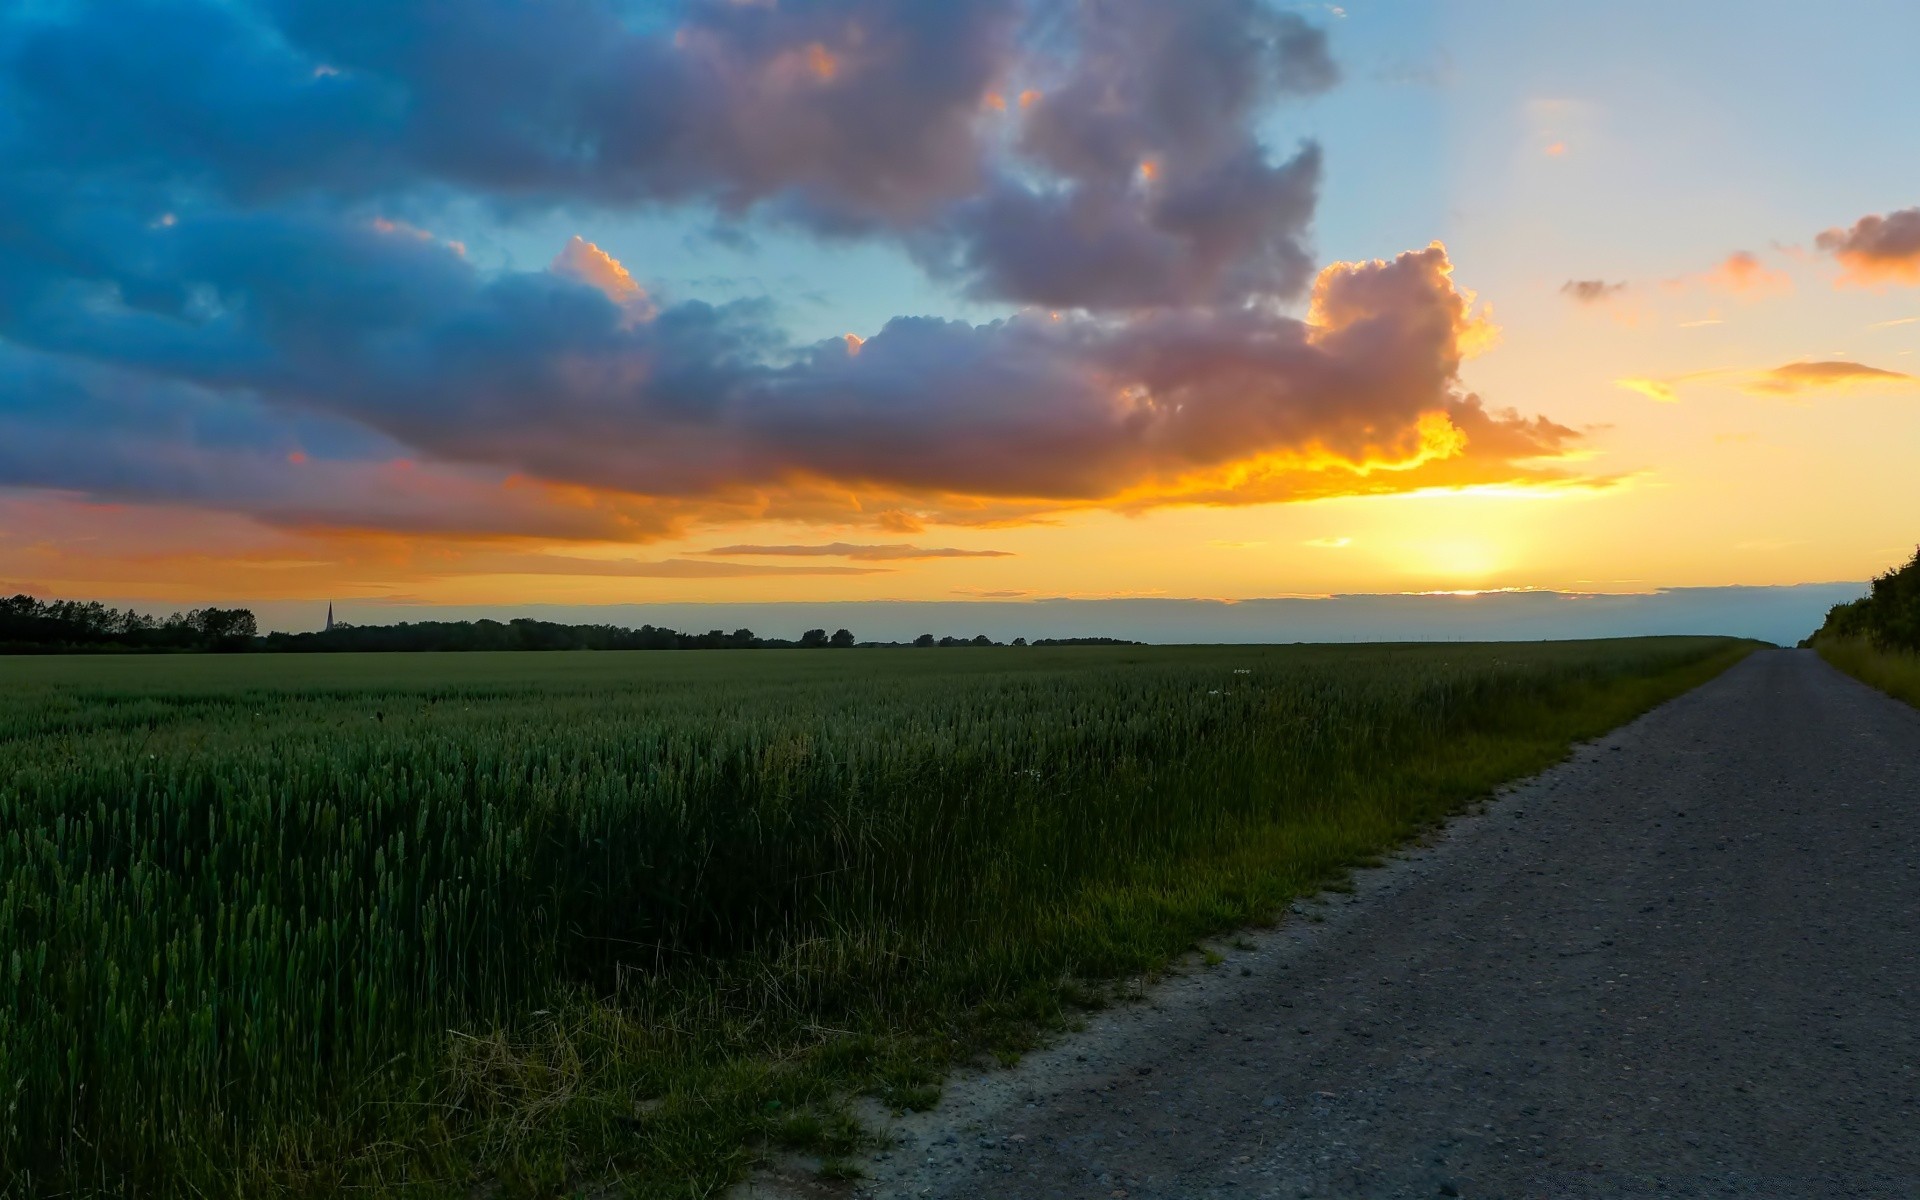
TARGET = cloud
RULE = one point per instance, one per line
(564, 103)
(123, 437)
(887, 553)
(220, 288)
(1787, 380)
(1739, 274)
(1797, 377)
(1154, 187)
(537, 375)
(1653, 389)
(670, 568)
(1877, 250)
(1591, 291)
(584, 262)
(845, 117)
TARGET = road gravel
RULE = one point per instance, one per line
(1685, 962)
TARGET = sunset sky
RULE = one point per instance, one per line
(504, 302)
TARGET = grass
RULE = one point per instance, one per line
(518, 924)
(1894, 672)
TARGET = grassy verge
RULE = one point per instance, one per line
(427, 926)
(1893, 672)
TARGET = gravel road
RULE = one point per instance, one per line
(1686, 962)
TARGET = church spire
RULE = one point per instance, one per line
(329, 616)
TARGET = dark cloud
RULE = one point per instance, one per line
(1157, 189)
(886, 553)
(846, 116)
(121, 437)
(861, 108)
(1591, 291)
(1878, 249)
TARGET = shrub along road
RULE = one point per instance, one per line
(1685, 962)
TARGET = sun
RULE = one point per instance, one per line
(1460, 560)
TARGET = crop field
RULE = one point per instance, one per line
(517, 925)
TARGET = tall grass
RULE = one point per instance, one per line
(1895, 672)
(417, 923)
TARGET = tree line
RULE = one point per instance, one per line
(1888, 616)
(28, 625)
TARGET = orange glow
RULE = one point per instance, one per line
(1030, 97)
(822, 63)
(854, 342)
(1556, 150)
(400, 229)
(996, 102)
(297, 457)
(1864, 271)
(1149, 169)
(1877, 250)
(1740, 274)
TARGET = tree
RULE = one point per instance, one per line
(1019, 641)
(925, 639)
(981, 639)
(842, 639)
(813, 638)
(224, 628)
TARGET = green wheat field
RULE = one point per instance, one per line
(627, 923)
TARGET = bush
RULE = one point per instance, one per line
(1888, 616)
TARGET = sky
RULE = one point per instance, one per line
(421, 307)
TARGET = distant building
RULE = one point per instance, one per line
(329, 616)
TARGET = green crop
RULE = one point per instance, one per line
(422, 923)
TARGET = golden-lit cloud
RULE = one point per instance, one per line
(1828, 375)
(1876, 250)
(620, 568)
(858, 553)
(1789, 379)
(1654, 389)
(550, 427)
(584, 262)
